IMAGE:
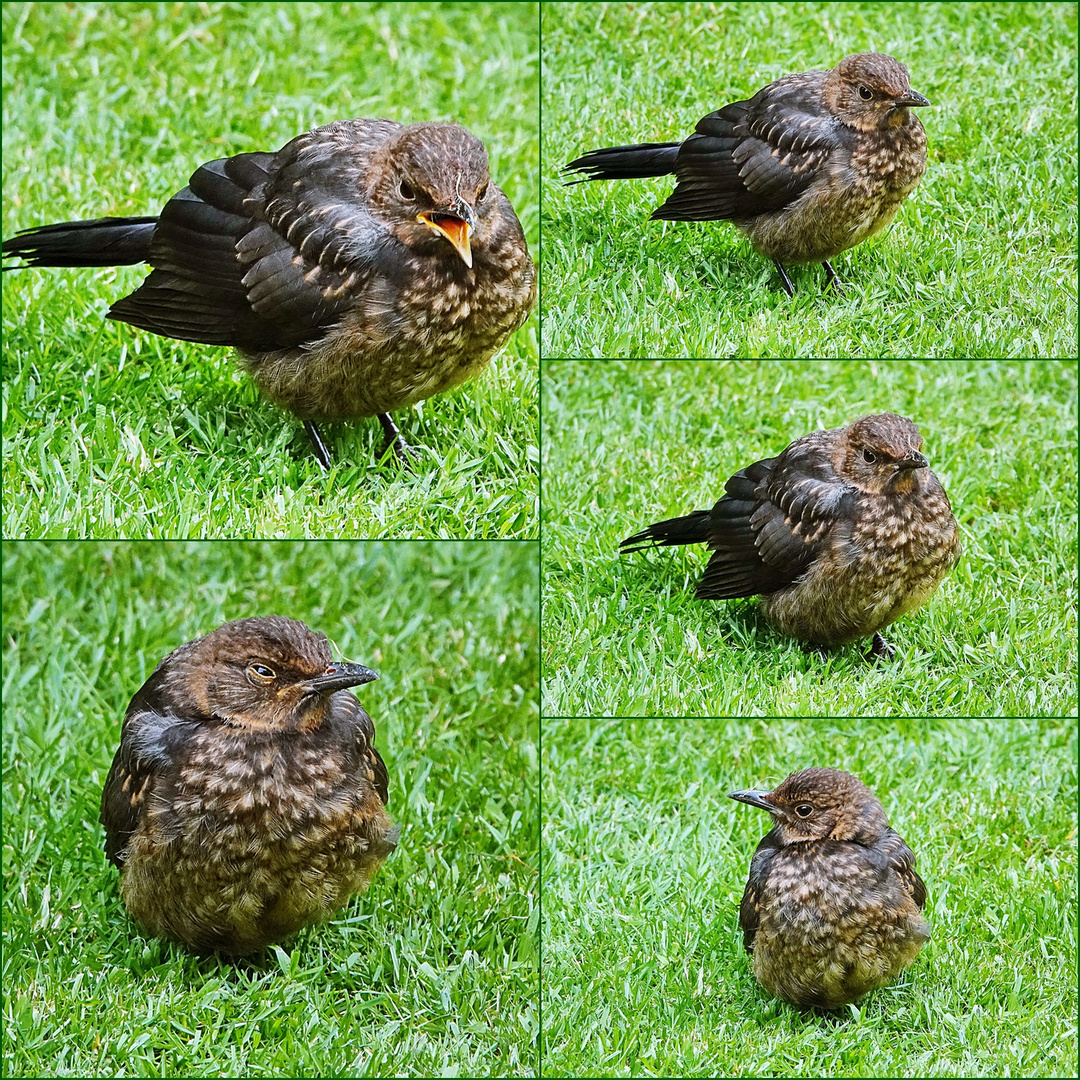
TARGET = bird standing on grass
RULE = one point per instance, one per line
(810, 166)
(842, 533)
(364, 267)
(833, 906)
(247, 798)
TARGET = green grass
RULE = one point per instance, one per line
(109, 431)
(627, 443)
(980, 261)
(645, 859)
(433, 971)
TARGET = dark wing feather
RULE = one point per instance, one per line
(151, 739)
(755, 156)
(148, 746)
(749, 914)
(196, 290)
(774, 521)
(265, 251)
(364, 758)
(901, 861)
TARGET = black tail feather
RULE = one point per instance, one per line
(110, 241)
(691, 529)
(626, 162)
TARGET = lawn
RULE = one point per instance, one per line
(645, 859)
(628, 443)
(433, 972)
(980, 261)
(113, 432)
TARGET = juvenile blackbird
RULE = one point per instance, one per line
(841, 534)
(810, 166)
(833, 905)
(247, 798)
(364, 267)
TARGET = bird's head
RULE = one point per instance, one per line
(871, 91)
(820, 804)
(268, 674)
(435, 190)
(881, 455)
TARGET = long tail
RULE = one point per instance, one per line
(110, 241)
(692, 529)
(626, 162)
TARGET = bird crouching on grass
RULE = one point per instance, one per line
(247, 798)
(810, 166)
(833, 905)
(364, 267)
(841, 534)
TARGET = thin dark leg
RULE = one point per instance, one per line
(785, 280)
(832, 279)
(880, 648)
(394, 439)
(322, 451)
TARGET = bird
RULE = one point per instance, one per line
(833, 906)
(810, 166)
(841, 534)
(246, 799)
(365, 266)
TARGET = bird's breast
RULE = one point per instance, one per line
(405, 340)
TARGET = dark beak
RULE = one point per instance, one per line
(916, 101)
(913, 461)
(340, 677)
(759, 799)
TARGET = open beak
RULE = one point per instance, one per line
(340, 677)
(456, 227)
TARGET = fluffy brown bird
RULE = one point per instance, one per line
(832, 909)
(810, 166)
(841, 533)
(364, 267)
(247, 798)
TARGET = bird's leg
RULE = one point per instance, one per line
(880, 649)
(322, 451)
(785, 280)
(832, 279)
(401, 448)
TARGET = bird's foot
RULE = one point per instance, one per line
(880, 649)
(393, 441)
(785, 280)
(322, 451)
(831, 280)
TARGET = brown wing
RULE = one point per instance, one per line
(756, 156)
(749, 915)
(150, 741)
(775, 518)
(264, 251)
(902, 862)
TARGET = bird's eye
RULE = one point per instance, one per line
(804, 810)
(865, 93)
(869, 457)
(261, 673)
(407, 191)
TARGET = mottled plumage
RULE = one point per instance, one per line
(364, 267)
(810, 166)
(247, 798)
(832, 908)
(841, 534)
